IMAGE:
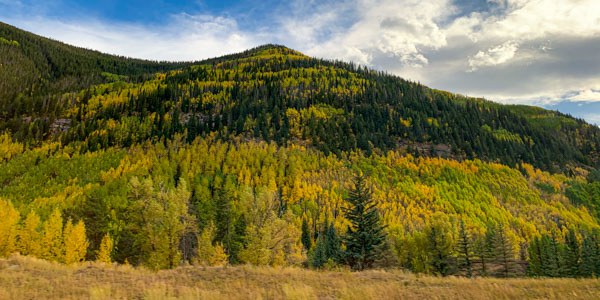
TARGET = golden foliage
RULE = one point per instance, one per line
(9, 219)
(106, 248)
(75, 242)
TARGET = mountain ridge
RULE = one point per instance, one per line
(429, 118)
(250, 159)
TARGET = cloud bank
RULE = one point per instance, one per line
(512, 51)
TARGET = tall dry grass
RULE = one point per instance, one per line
(29, 278)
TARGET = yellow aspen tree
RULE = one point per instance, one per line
(8, 149)
(105, 252)
(220, 257)
(52, 239)
(75, 242)
(30, 236)
(209, 254)
(9, 218)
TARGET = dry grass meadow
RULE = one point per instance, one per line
(29, 278)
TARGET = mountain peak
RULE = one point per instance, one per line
(270, 50)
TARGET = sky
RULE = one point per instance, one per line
(537, 52)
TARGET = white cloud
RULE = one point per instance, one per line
(398, 29)
(493, 56)
(525, 51)
(589, 95)
(531, 19)
(184, 37)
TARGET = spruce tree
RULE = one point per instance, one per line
(327, 249)
(464, 249)
(333, 244)
(551, 256)
(306, 240)
(440, 248)
(365, 237)
(485, 248)
(589, 253)
(504, 251)
(318, 257)
(572, 254)
(536, 258)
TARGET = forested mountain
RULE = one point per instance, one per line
(271, 93)
(249, 158)
(35, 70)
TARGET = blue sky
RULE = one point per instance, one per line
(540, 52)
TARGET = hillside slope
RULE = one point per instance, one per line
(249, 158)
(277, 94)
(271, 93)
(35, 69)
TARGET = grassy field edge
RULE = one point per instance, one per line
(29, 278)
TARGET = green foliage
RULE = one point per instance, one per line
(208, 252)
(575, 255)
(257, 194)
(590, 256)
(365, 237)
(52, 91)
(572, 254)
(465, 249)
(306, 236)
(159, 219)
(328, 249)
(504, 250)
(440, 247)
(9, 42)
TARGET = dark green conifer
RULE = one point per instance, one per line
(306, 240)
(572, 255)
(365, 237)
(464, 249)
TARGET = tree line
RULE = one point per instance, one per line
(211, 202)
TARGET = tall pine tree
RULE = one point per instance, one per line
(465, 249)
(572, 254)
(365, 237)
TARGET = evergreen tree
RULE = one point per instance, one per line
(306, 240)
(365, 237)
(440, 248)
(572, 255)
(333, 244)
(318, 256)
(536, 257)
(488, 248)
(327, 249)
(590, 256)
(552, 250)
(464, 249)
(504, 251)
